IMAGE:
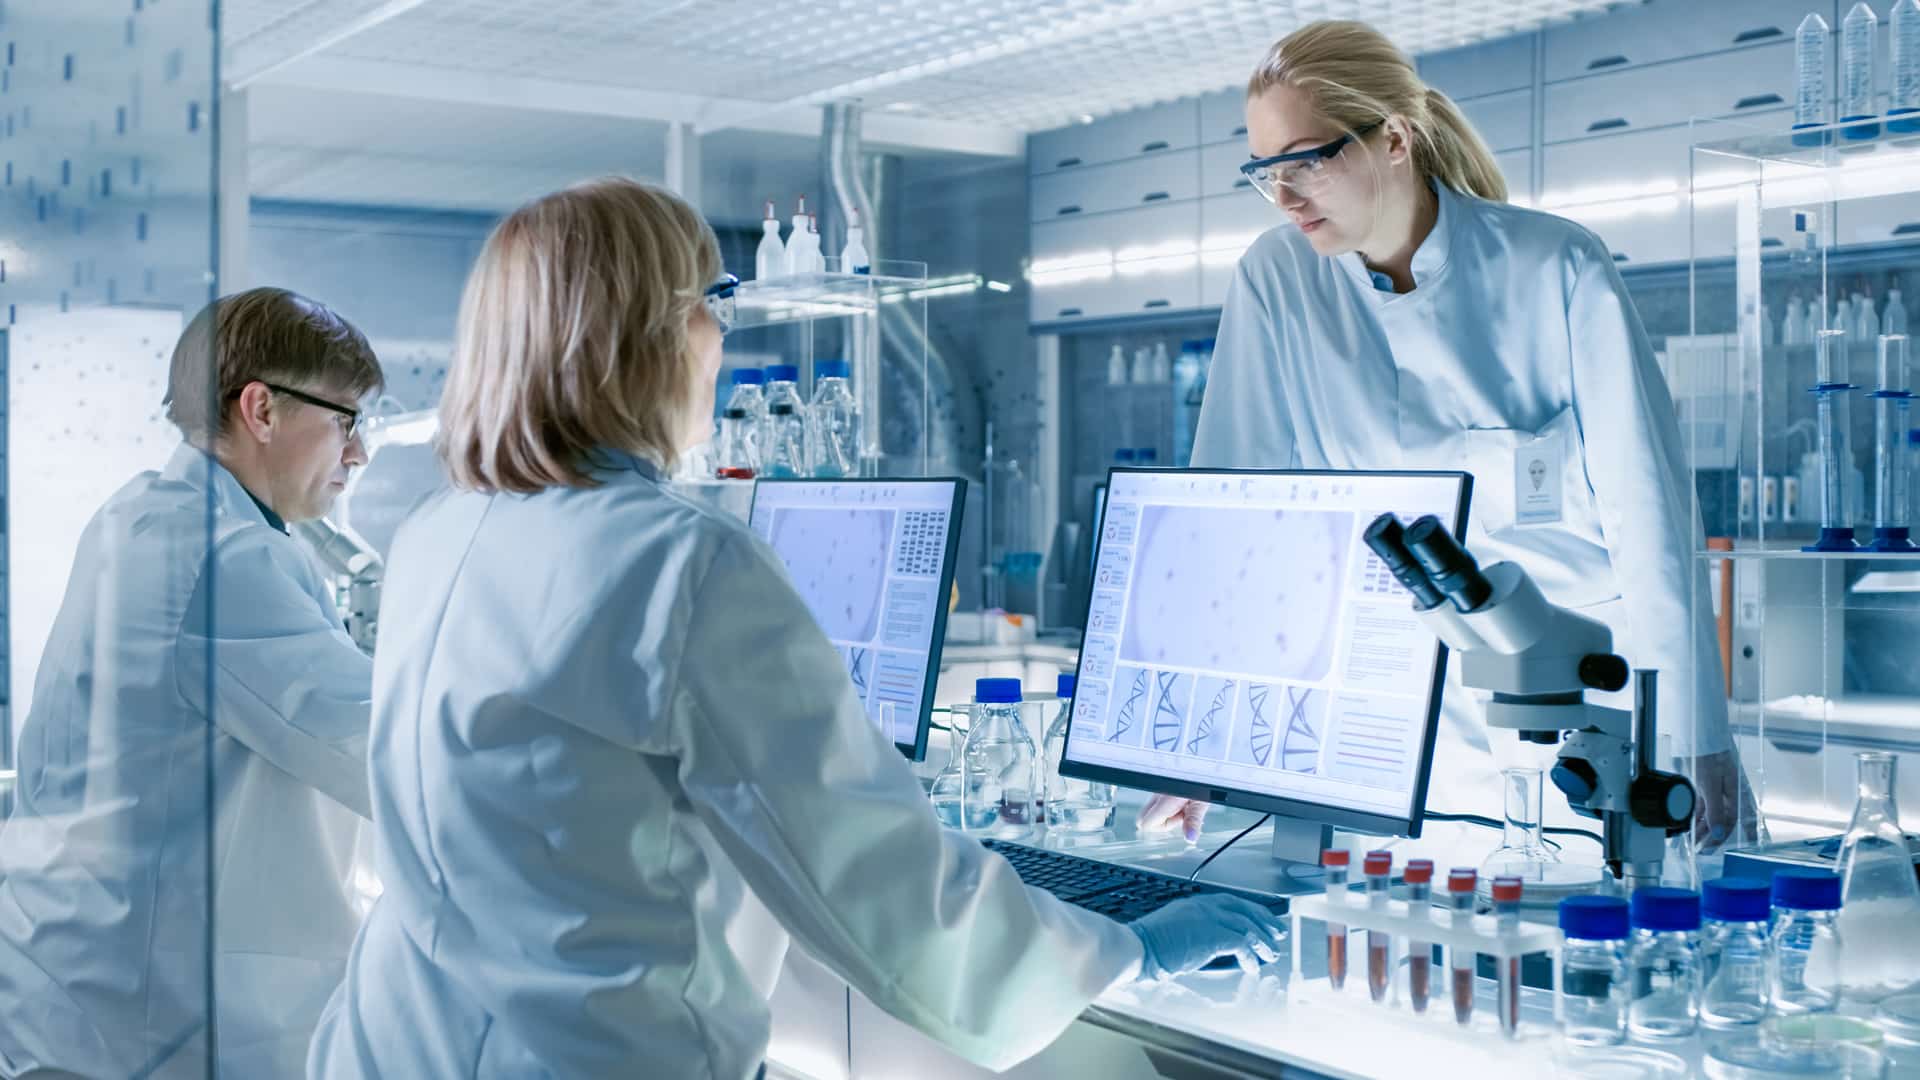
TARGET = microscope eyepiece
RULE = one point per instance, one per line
(1447, 564)
(1388, 540)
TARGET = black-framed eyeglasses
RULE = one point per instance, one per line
(1303, 172)
(720, 303)
(353, 415)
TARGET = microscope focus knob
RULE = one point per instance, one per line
(1576, 779)
(1604, 671)
(1662, 800)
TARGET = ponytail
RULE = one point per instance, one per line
(1354, 76)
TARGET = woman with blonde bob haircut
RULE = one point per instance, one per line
(609, 740)
(1405, 316)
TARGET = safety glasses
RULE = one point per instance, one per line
(719, 299)
(348, 428)
(1303, 172)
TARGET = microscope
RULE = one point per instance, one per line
(1539, 660)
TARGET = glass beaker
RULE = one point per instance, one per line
(1523, 852)
(944, 792)
(1880, 899)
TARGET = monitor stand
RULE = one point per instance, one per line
(1297, 844)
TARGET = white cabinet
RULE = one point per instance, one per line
(1478, 70)
(1877, 220)
(1129, 262)
(1174, 126)
(1670, 30)
(1517, 167)
(1169, 176)
(1505, 121)
(1220, 170)
(1223, 115)
(1744, 82)
(1228, 226)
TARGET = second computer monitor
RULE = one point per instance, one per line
(1243, 645)
(873, 560)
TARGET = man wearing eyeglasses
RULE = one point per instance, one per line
(175, 877)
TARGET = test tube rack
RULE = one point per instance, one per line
(1433, 926)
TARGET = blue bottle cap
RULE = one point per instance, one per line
(1124, 455)
(996, 691)
(1146, 453)
(783, 373)
(749, 376)
(831, 369)
(1736, 899)
(1594, 918)
(1066, 686)
(1666, 909)
(1807, 890)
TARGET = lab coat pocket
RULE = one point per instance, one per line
(1532, 504)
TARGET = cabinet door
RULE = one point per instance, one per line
(1632, 190)
(1877, 220)
(1124, 263)
(1157, 128)
(1670, 30)
(1517, 167)
(1746, 81)
(1229, 224)
(1163, 177)
(1220, 169)
(1223, 115)
(1489, 67)
(1505, 121)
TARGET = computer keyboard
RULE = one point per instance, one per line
(1118, 892)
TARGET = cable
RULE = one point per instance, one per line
(1195, 876)
(1487, 822)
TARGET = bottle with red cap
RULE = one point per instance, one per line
(1379, 870)
(1419, 878)
(1334, 863)
(1461, 884)
(1506, 917)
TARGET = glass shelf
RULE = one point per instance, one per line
(832, 293)
(1791, 549)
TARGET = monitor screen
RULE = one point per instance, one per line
(1244, 645)
(873, 560)
(1099, 520)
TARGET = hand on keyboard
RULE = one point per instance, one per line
(1186, 934)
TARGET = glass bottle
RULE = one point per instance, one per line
(1072, 805)
(833, 422)
(783, 438)
(1733, 946)
(1880, 909)
(1592, 1002)
(1807, 949)
(944, 793)
(1000, 776)
(1665, 961)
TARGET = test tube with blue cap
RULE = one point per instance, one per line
(1857, 32)
(1903, 28)
(1830, 392)
(1892, 409)
(1810, 104)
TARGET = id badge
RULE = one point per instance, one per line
(1539, 477)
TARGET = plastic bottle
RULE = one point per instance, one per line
(833, 423)
(1117, 366)
(1866, 323)
(1072, 805)
(1769, 335)
(735, 458)
(799, 259)
(1806, 951)
(1665, 960)
(1379, 870)
(1881, 901)
(1000, 768)
(853, 257)
(1419, 879)
(783, 440)
(1506, 916)
(1903, 24)
(1794, 324)
(770, 258)
(1810, 80)
(816, 257)
(1333, 869)
(1162, 364)
(1894, 319)
(1143, 365)
(1856, 70)
(1461, 884)
(1592, 1004)
(1843, 318)
(749, 397)
(1733, 946)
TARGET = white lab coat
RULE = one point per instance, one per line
(1518, 328)
(604, 722)
(104, 865)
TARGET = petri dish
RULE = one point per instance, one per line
(1617, 1063)
(1899, 1018)
(1735, 1058)
(1820, 1029)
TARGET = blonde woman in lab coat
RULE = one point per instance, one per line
(1406, 316)
(609, 740)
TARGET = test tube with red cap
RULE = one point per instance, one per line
(1334, 863)
(1419, 879)
(1379, 870)
(1506, 913)
(1460, 886)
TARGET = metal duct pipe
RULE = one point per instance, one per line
(841, 152)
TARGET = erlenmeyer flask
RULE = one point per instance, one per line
(1880, 897)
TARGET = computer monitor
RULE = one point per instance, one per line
(1099, 519)
(873, 560)
(1244, 646)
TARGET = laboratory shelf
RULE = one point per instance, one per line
(1791, 550)
(833, 293)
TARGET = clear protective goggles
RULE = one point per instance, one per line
(720, 305)
(1306, 173)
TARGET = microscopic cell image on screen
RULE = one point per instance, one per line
(1211, 722)
(1132, 706)
(1172, 697)
(844, 568)
(1278, 613)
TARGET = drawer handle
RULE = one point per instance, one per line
(1156, 144)
(1242, 183)
(1158, 303)
(1772, 241)
(1066, 163)
(1606, 62)
(1758, 33)
(1066, 210)
(1793, 748)
(1911, 228)
(1757, 100)
(1070, 312)
(1241, 130)
(1611, 123)
(1617, 257)
(1155, 196)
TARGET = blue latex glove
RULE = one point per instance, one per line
(1188, 933)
